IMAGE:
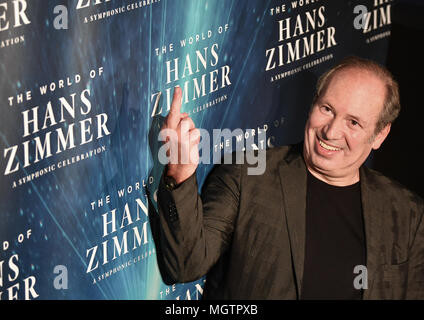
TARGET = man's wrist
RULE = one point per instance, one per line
(178, 175)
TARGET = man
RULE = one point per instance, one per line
(317, 224)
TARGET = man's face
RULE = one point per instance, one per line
(341, 124)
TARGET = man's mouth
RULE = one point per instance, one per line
(328, 147)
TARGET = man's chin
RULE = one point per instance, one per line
(321, 164)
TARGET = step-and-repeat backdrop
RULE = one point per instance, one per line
(84, 87)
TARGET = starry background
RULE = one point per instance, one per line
(56, 207)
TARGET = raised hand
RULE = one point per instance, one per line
(183, 138)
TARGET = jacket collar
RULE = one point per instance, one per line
(372, 212)
(292, 170)
(293, 179)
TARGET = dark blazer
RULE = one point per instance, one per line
(247, 233)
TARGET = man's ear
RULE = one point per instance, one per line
(381, 136)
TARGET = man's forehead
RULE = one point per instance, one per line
(357, 89)
(356, 75)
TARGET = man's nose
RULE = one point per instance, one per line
(333, 130)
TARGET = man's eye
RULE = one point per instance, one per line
(354, 123)
(325, 109)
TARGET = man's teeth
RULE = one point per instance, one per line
(326, 146)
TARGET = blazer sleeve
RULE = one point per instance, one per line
(194, 231)
(416, 257)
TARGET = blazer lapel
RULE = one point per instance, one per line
(372, 209)
(293, 176)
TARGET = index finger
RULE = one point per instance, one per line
(174, 114)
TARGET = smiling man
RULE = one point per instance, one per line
(304, 228)
(344, 123)
(352, 112)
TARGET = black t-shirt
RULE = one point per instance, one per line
(335, 241)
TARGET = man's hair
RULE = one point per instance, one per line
(391, 105)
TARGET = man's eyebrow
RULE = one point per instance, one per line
(356, 118)
(326, 102)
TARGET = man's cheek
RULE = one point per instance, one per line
(317, 121)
